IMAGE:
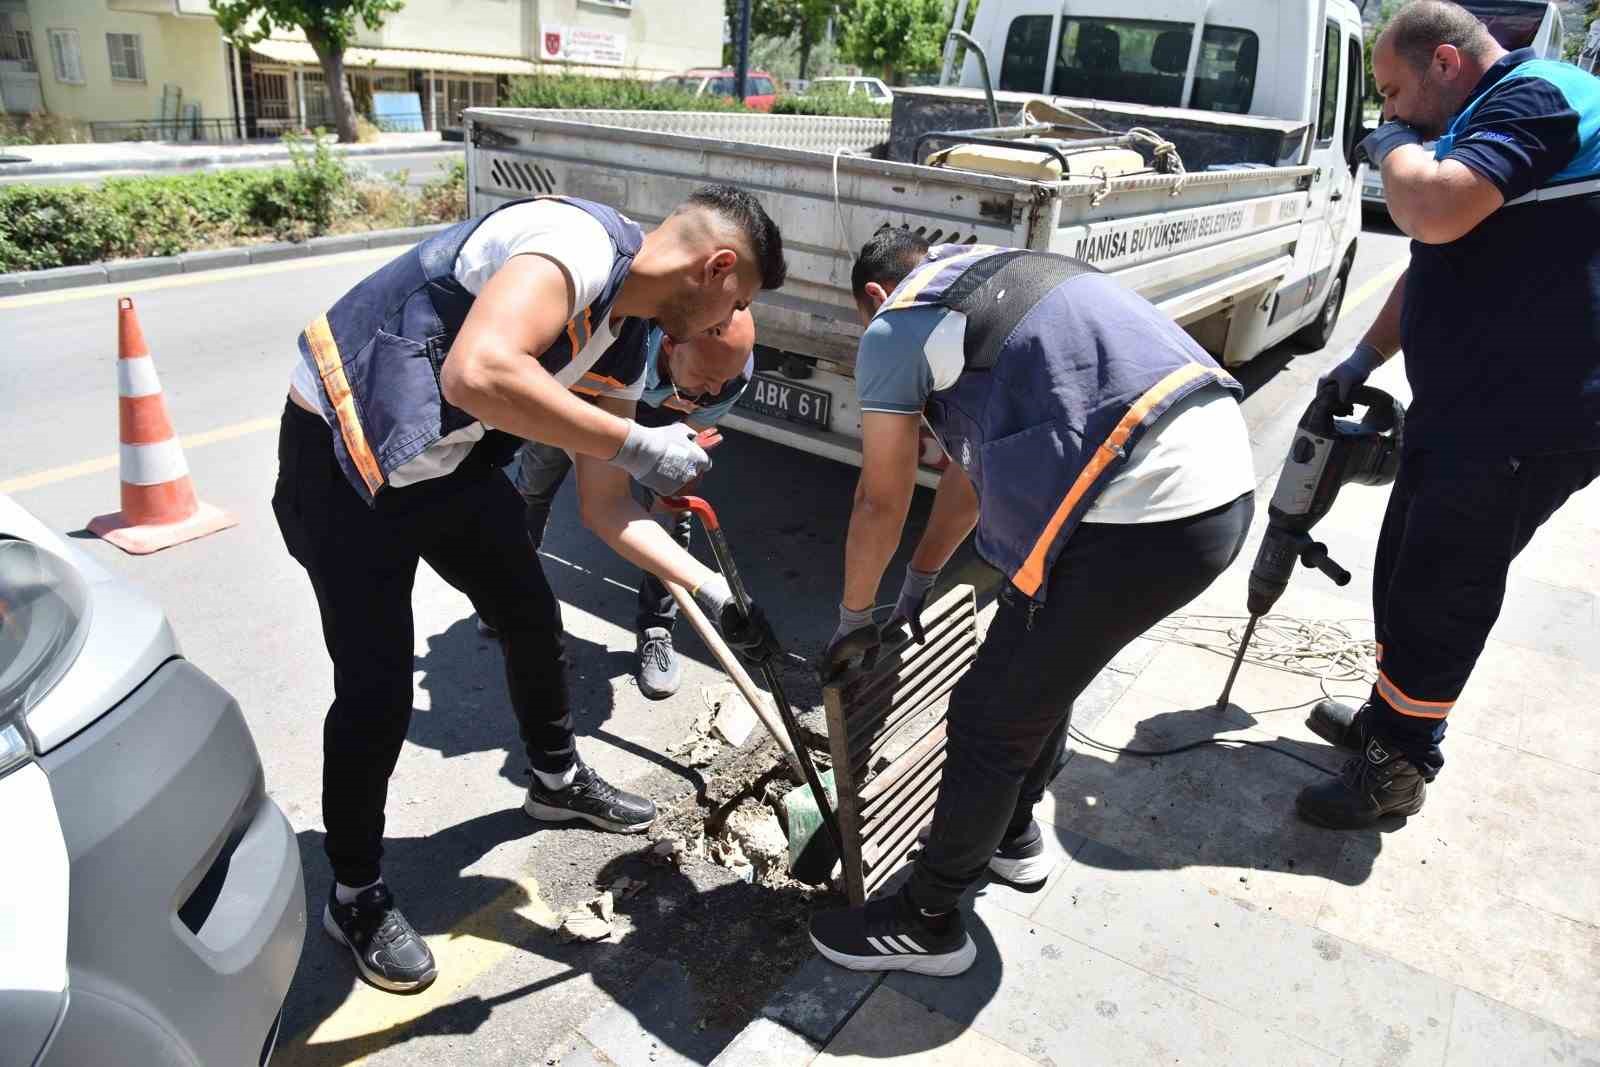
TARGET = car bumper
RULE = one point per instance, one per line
(187, 909)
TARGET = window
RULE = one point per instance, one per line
(1355, 98)
(1027, 47)
(65, 57)
(1141, 61)
(759, 86)
(1328, 118)
(127, 58)
(720, 87)
(16, 45)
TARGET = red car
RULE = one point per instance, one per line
(760, 91)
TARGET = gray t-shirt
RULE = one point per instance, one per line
(1195, 458)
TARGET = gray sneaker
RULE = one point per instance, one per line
(659, 672)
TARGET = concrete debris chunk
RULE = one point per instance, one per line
(591, 922)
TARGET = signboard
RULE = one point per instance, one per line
(579, 44)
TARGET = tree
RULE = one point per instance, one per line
(329, 26)
(803, 21)
(897, 35)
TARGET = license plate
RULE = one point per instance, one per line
(774, 396)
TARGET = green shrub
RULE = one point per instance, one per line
(41, 129)
(618, 94)
(842, 105)
(444, 199)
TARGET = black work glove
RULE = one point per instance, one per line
(913, 595)
(855, 639)
(750, 634)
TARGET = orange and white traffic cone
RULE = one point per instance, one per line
(159, 508)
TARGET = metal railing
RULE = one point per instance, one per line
(234, 131)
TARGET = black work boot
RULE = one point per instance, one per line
(1338, 724)
(1373, 785)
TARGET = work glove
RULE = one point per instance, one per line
(855, 638)
(913, 595)
(1355, 370)
(1377, 145)
(663, 459)
(750, 634)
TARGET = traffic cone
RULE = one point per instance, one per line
(159, 508)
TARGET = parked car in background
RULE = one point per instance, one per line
(1515, 24)
(760, 89)
(151, 910)
(872, 88)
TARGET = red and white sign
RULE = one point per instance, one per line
(578, 44)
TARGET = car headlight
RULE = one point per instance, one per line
(44, 619)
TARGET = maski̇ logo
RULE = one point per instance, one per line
(1377, 755)
(966, 453)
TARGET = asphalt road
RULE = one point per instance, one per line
(418, 167)
(463, 859)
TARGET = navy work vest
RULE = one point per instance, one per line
(1065, 370)
(377, 353)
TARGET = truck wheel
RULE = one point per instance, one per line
(1319, 331)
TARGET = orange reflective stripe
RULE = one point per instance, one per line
(918, 279)
(601, 380)
(1379, 656)
(325, 350)
(1031, 574)
(1396, 698)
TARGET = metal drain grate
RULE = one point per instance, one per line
(886, 732)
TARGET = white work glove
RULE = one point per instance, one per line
(913, 595)
(1377, 145)
(663, 459)
(1355, 370)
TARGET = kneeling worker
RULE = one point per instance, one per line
(695, 382)
(1102, 456)
(411, 393)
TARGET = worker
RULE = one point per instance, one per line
(1103, 459)
(412, 392)
(697, 382)
(1499, 316)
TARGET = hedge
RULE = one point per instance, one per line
(69, 225)
(627, 94)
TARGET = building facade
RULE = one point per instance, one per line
(162, 68)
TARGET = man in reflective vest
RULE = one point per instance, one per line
(1499, 316)
(411, 393)
(1102, 457)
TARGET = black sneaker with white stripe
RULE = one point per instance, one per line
(592, 799)
(388, 952)
(1022, 860)
(891, 934)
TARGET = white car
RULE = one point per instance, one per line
(151, 905)
(872, 88)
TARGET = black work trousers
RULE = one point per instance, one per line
(362, 562)
(541, 469)
(1008, 717)
(1452, 528)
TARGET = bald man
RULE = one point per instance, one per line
(1499, 316)
(697, 382)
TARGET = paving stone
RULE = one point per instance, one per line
(129, 270)
(1562, 553)
(891, 1028)
(1055, 1000)
(584, 1055)
(1555, 723)
(1193, 678)
(1220, 812)
(1431, 895)
(215, 259)
(1334, 994)
(1486, 1033)
(766, 1043)
(277, 250)
(1550, 618)
(1059, 843)
(648, 1023)
(818, 998)
(1552, 850)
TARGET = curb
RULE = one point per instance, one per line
(265, 154)
(801, 1017)
(127, 270)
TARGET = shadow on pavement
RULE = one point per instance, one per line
(1211, 806)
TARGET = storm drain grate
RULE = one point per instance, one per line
(886, 731)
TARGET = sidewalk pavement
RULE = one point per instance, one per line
(1194, 919)
(153, 155)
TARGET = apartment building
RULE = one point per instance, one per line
(162, 68)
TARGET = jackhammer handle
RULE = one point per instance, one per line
(1316, 555)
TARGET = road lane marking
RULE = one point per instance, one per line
(1381, 281)
(204, 277)
(369, 1020)
(42, 478)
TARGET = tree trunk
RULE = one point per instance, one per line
(805, 49)
(344, 108)
(888, 74)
